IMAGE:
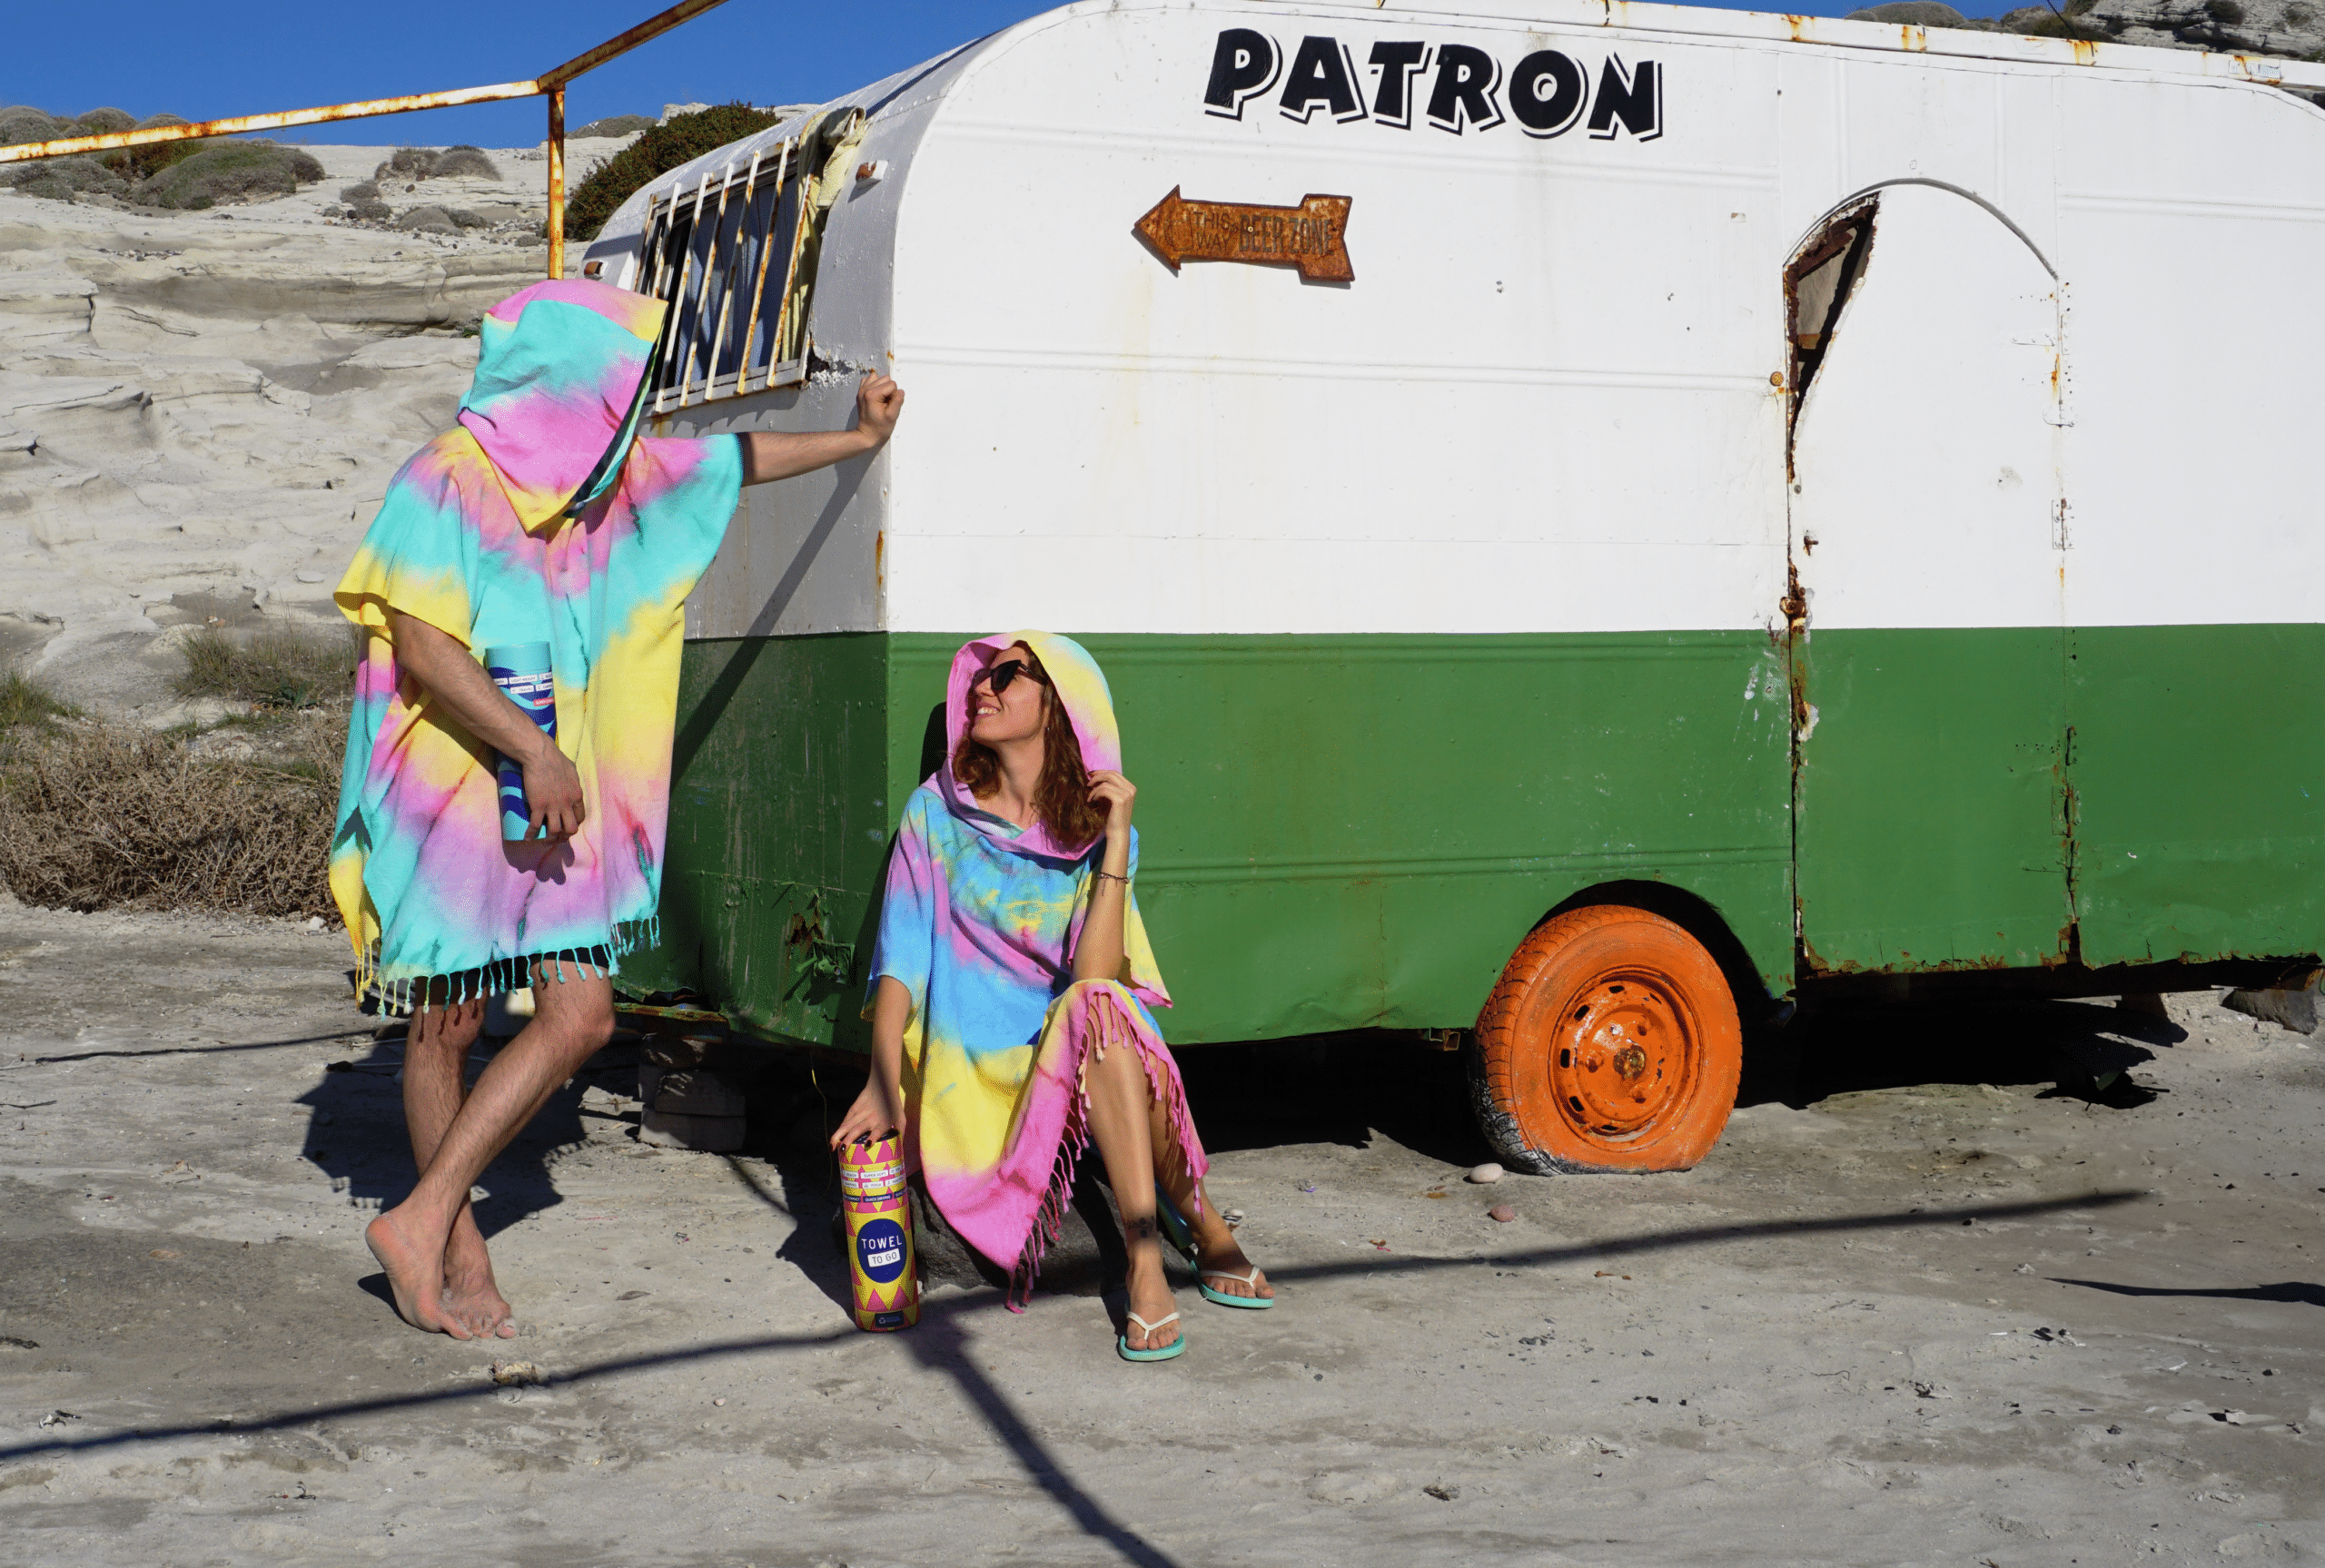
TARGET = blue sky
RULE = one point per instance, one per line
(256, 55)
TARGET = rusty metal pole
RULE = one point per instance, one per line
(557, 181)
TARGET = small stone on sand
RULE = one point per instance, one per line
(1502, 1213)
(512, 1373)
(1484, 1174)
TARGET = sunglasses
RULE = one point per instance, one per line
(1002, 674)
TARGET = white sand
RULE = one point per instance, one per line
(1797, 1354)
(200, 411)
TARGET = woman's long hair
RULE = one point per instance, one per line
(1061, 799)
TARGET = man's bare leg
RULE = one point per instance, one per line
(1122, 1125)
(435, 1083)
(574, 1018)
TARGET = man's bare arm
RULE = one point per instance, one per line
(438, 661)
(769, 454)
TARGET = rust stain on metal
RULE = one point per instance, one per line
(622, 42)
(1311, 236)
(1912, 37)
(557, 182)
(550, 84)
(1797, 27)
(2086, 53)
(411, 102)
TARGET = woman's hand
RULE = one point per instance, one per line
(1117, 793)
(553, 793)
(875, 1113)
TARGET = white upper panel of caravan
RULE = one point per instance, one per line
(1551, 399)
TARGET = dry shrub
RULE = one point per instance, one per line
(463, 161)
(406, 163)
(62, 179)
(98, 818)
(22, 122)
(100, 121)
(361, 190)
(277, 668)
(231, 171)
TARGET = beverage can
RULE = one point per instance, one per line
(522, 671)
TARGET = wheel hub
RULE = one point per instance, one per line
(1621, 1057)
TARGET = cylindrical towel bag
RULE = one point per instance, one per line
(522, 671)
(879, 1235)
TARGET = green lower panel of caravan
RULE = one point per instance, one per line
(2199, 772)
(1933, 830)
(1335, 831)
(2021, 797)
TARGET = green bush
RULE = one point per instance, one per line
(277, 668)
(230, 171)
(24, 703)
(616, 125)
(660, 151)
(101, 121)
(62, 179)
(463, 161)
(138, 163)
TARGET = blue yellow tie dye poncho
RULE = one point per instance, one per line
(539, 518)
(979, 922)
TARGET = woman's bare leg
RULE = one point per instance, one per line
(435, 1084)
(575, 1020)
(1122, 1124)
(1215, 1243)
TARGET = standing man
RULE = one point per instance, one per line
(540, 518)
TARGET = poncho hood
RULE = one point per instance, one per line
(556, 398)
(1081, 687)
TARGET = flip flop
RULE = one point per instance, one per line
(1248, 1303)
(1122, 1341)
(1176, 1232)
(1174, 1226)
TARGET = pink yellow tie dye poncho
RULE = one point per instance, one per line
(979, 924)
(539, 518)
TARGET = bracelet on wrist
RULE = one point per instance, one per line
(1109, 876)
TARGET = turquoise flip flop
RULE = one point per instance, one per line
(1122, 1341)
(1248, 1303)
(1176, 1232)
(1174, 1226)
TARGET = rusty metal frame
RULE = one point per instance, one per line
(549, 85)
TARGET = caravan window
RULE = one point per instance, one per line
(734, 253)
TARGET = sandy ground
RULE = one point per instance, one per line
(1927, 1303)
(200, 411)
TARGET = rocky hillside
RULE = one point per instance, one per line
(2294, 28)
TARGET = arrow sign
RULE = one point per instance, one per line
(1313, 236)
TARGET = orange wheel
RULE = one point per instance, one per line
(1610, 1044)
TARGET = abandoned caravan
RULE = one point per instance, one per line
(1598, 518)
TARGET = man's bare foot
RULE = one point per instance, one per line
(415, 1275)
(470, 1296)
(1151, 1298)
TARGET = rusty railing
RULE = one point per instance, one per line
(549, 85)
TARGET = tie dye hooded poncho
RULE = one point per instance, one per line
(979, 922)
(539, 519)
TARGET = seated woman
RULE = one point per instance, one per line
(1011, 984)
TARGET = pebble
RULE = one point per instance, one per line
(1502, 1213)
(517, 1374)
(1485, 1174)
(718, 1402)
